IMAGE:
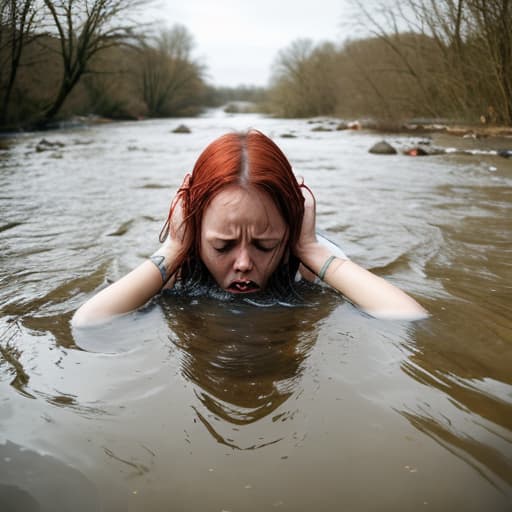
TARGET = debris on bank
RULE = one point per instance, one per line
(474, 132)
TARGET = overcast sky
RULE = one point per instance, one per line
(239, 39)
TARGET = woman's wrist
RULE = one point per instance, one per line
(313, 256)
(165, 258)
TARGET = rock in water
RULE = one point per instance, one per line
(181, 129)
(505, 153)
(383, 148)
(46, 145)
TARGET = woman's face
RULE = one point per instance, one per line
(243, 239)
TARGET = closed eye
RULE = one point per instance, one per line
(224, 246)
(227, 245)
(264, 248)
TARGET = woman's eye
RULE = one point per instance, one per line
(264, 248)
(224, 247)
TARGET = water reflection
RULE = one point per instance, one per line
(11, 356)
(469, 406)
(245, 361)
(52, 312)
(493, 464)
(32, 482)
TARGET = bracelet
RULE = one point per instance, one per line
(325, 266)
(158, 261)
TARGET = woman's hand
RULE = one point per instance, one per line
(179, 233)
(179, 237)
(307, 238)
(308, 250)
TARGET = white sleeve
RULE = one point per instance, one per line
(335, 249)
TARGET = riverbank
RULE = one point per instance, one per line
(434, 136)
(426, 137)
(468, 137)
(413, 127)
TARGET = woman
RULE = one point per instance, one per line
(242, 221)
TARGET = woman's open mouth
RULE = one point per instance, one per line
(243, 286)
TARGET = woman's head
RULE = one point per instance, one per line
(243, 210)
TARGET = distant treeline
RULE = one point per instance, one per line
(60, 58)
(453, 61)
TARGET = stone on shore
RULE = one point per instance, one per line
(383, 148)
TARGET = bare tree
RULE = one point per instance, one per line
(18, 21)
(395, 26)
(492, 20)
(473, 39)
(170, 79)
(290, 86)
(304, 80)
(85, 28)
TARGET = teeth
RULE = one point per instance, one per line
(244, 286)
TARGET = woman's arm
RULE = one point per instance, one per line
(130, 292)
(371, 293)
(136, 288)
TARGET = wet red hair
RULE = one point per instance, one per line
(245, 159)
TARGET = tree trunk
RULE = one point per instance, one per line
(65, 89)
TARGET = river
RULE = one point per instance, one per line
(194, 404)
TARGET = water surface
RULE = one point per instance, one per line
(197, 404)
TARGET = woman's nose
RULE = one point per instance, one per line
(243, 262)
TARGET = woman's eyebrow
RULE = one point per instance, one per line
(220, 238)
(228, 238)
(224, 239)
(267, 239)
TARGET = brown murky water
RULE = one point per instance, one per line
(196, 404)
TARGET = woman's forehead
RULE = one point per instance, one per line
(236, 207)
